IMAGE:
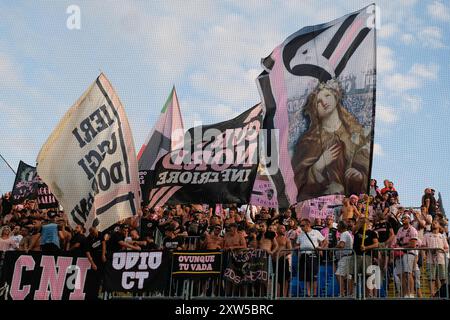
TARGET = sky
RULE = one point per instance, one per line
(211, 52)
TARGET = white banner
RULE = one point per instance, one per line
(89, 161)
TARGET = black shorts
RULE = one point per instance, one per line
(309, 267)
(283, 270)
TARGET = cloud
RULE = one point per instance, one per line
(414, 79)
(378, 150)
(385, 59)
(439, 11)
(387, 30)
(407, 39)
(386, 114)
(402, 82)
(411, 102)
(10, 72)
(425, 72)
(431, 37)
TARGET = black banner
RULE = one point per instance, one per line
(137, 271)
(25, 184)
(29, 186)
(196, 264)
(217, 164)
(45, 198)
(247, 266)
(47, 277)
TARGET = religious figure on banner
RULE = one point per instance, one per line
(333, 155)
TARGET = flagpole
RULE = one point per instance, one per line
(8, 164)
(366, 215)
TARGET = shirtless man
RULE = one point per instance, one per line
(35, 242)
(348, 211)
(233, 239)
(213, 240)
(266, 241)
(283, 253)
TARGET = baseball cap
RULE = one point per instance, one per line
(406, 215)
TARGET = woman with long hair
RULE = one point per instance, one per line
(332, 157)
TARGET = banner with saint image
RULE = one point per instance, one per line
(318, 90)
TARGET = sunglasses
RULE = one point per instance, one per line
(303, 225)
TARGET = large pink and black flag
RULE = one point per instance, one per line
(166, 135)
(89, 161)
(318, 91)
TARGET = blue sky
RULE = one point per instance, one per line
(211, 51)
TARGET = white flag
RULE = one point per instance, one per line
(89, 160)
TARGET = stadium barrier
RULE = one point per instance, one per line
(311, 274)
(398, 273)
(390, 273)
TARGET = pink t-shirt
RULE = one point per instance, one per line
(405, 235)
(438, 241)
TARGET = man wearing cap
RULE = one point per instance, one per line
(406, 237)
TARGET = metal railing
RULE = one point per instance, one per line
(383, 273)
(315, 274)
(404, 273)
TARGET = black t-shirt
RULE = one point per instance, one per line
(6, 206)
(370, 236)
(196, 228)
(395, 224)
(383, 230)
(81, 239)
(332, 238)
(113, 243)
(94, 246)
(148, 227)
(432, 207)
(318, 228)
(173, 244)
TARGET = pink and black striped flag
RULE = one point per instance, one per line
(166, 135)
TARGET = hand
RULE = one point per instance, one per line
(94, 266)
(352, 173)
(363, 248)
(328, 157)
(103, 258)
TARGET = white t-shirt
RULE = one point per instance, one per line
(17, 239)
(347, 238)
(305, 243)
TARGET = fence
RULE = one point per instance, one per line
(250, 278)
(395, 273)
(383, 273)
(301, 274)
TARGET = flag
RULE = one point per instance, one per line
(318, 93)
(166, 135)
(441, 205)
(7, 175)
(264, 192)
(217, 164)
(26, 183)
(89, 161)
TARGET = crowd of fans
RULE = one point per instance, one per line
(194, 227)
